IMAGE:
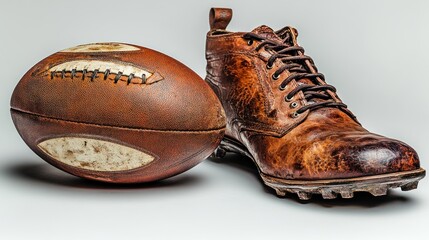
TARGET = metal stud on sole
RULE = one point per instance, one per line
(378, 191)
(280, 193)
(409, 186)
(304, 195)
(328, 194)
(346, 194)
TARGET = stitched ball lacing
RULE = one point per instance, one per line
(96, 72)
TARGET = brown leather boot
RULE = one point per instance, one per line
(284, 116)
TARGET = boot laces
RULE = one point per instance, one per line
(299, 67)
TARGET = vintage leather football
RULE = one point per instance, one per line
(116, 112)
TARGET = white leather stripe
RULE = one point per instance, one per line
(102, 47)
(96, 155)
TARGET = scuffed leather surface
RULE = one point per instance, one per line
(235, 71)
(328, 145)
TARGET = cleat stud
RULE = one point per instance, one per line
(280, 193)
(328, 194)
(346, 194)
(378, 191)
(304, 195)
(409, 186)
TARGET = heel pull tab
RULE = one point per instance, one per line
(219, 18)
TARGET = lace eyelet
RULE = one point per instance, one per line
(250, 42)
(269, 66)
(275, 77)
(294, 105)
(288, 99)
(294, 115)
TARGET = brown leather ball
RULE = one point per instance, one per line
(117, 112)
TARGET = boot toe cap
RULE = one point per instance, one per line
(385, 156)
(374, 155)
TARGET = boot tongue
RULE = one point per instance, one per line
(288, 35)
(267, 32)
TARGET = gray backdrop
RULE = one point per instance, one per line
(374, 52)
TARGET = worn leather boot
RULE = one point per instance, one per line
(284, 116)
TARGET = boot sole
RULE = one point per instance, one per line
(377, 185)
